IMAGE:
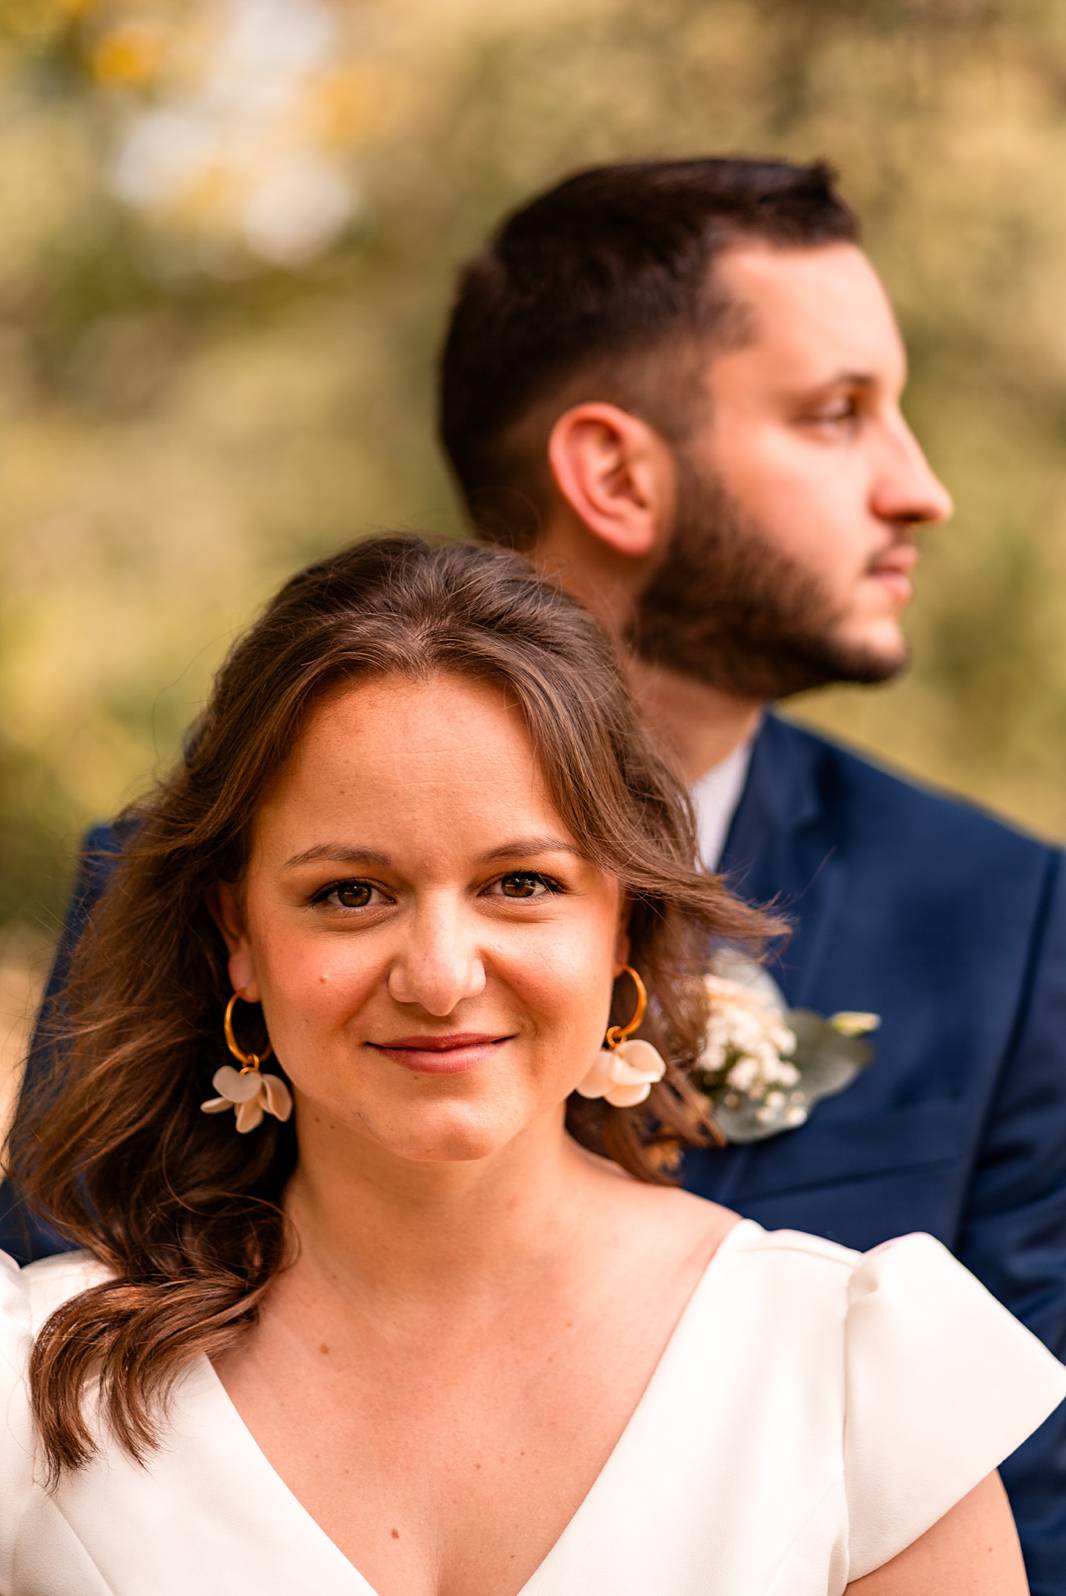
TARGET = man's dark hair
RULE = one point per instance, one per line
(602, 288)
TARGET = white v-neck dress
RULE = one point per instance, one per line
(815, 1410)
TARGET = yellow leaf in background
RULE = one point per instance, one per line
(127, 56)
(348, 105)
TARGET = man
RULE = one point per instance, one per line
(677, 385)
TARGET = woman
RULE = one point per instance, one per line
(443, 1328)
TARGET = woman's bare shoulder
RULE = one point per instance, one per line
(706, 1224)
(972, 1551)
(667, 1222)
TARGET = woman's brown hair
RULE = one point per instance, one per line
(111, 1146)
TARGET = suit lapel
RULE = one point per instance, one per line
(782, 851)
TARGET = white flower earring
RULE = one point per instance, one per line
(246, 1090)
(624, 1072)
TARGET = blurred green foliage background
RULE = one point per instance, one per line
(227, 235)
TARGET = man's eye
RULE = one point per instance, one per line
(526, 884)
(840, 410)
(347, 894)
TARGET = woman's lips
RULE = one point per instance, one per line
(440, 1055)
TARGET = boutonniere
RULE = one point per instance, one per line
(763, 1065)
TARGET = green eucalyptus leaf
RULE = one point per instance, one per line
(827, 1060)
(741, 1125)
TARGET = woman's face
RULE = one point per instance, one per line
(433, 955)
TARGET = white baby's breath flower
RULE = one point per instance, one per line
(782, 1039)
(713, 1057)
(747, 1038)
(743, 1076)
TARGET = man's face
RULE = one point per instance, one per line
(791, 557)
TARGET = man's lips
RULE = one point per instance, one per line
(892, 570)
(895, 562)
(441, 1055)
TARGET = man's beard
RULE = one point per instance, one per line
(728, 608)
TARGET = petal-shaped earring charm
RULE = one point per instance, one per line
(247, 1091)
(251, 1094)
(624, 1072)
(624, 1075)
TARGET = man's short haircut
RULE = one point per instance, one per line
(602, 288)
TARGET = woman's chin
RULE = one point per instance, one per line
(449, 1134)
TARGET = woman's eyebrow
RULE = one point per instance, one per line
(338, 853)
(526, 846)
(345, 853)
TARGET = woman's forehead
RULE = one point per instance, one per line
(395, 756)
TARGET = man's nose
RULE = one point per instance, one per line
(907, 489)
(440, 961)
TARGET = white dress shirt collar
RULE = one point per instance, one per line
(715, 796)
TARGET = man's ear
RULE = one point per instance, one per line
(617, 475)
(225, 905)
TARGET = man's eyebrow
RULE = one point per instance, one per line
(849, 379)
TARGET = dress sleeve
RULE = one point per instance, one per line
(941, 1384)
(16, 1430)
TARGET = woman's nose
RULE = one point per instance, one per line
(439, 964)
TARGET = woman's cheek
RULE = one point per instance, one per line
(570, 984)
(316, 984)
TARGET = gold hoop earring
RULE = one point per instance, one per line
(252, 1098)
(249, 1061)
(624, 1072)
(617, 1034)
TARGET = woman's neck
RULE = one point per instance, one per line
(382, 1231)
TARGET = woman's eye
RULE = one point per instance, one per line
(526, 884)
(347, 895)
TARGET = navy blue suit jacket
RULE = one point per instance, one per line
(952, 927)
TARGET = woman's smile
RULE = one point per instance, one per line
(442, 1055)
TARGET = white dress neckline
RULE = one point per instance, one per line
(813, 1411)
(252, 1469)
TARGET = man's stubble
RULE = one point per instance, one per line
(728, 608)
